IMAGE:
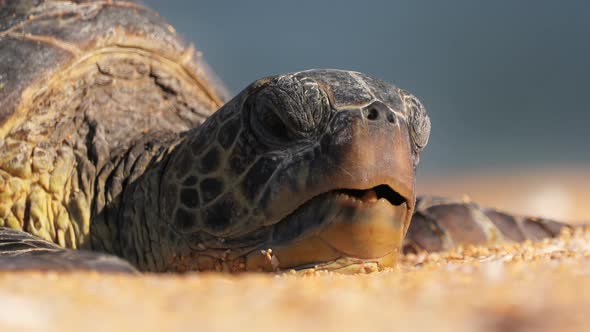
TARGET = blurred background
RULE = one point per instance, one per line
(505, 82)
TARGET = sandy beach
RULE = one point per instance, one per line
(527, 287)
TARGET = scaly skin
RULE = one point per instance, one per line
(250, 178)
(441, 224)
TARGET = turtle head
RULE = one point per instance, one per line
(312, 169)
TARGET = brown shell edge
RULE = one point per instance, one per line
(34, 49)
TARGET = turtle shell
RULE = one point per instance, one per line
(81, 81)
(39, 39)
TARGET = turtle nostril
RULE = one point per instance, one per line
(379, 111)
(391, 117)
(372, 114)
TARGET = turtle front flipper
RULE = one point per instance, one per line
(441, 224)
(22, 251)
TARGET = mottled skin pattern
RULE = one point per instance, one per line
(117, 138)
(230, 186)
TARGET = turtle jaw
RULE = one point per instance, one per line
(347, 230)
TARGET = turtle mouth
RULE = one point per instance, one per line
(374, 194)
(342, 229)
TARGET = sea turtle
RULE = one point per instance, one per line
(117, 138)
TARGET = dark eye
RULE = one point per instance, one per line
(266, 123)
(270, 122)
(288, 110)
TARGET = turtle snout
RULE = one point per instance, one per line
(378, 111)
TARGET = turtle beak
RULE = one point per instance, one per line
(362, 149)
(371, 150)
(358, 193)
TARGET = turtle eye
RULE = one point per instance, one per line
(419, 124)
(268, 121)
(288, 110)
